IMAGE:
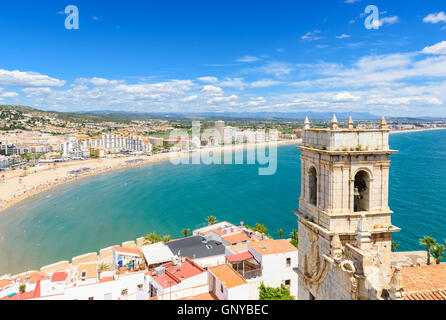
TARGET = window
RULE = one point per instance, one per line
(83, 274)
(222, 289)
(91, 298)
(288, 262)
(288, 283)
(312, 180)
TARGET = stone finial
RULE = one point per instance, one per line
(363, 233)
(336, 242)
(397, 279)
(350, 122)
(306, 124)
(334, 123)
(396, 285)
(336, 247)
(383, 124)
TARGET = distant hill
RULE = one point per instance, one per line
(67, 116)
(237, 115)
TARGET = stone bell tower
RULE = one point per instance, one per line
(345, 228)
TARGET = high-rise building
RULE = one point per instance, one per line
(220, 130)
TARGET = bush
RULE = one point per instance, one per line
(269, 293)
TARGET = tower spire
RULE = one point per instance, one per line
(334, 123)
(350, 122)
(306, 124)
(383, 124)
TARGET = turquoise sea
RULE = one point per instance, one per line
(108, 209)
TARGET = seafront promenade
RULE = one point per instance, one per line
(19, 185)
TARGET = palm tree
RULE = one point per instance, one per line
(428, 242)
(395, 245)
(280, 233)
(153, 237)
(438, 251)
(103, 267)
(185, 232)
(211, 220)
(294, 234)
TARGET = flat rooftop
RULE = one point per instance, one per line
(269, 246)
(196, 247)
(409, 259)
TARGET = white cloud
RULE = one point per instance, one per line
(435, 18)
(343, 36)
(190, 98)
(351, 1)
(31, 92)
(247, 59)
(345, 97)
(212, 90)
(385, 20)
(439, 48)
(7, 94)
(208, 79)
(98, 81)
(311, 36)
(277, 68)
(264, 83)
(223, 99)
(28, 79)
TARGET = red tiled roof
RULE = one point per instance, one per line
(202, 297)
(4, 283)
(176, 274)
(236, 238)
(240, 257)
(59, 276)
(33, 277)
(26, 295)
(425, 282)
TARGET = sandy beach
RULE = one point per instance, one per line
(416, 130)
(17, 185)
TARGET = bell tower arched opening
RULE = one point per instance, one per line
(312, 179)
(362, 191)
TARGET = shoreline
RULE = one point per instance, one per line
(415, 130)
(14, 189)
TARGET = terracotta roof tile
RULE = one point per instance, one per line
(425, 282)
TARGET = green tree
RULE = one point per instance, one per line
(280, 232)
(269, 293)
(166, 238)
(185, 232)
(438, 252)
(428, 242)
(294, 238)
(395, 245)
(22, 288)
(153, 237)
(211, 220)
(103, 267)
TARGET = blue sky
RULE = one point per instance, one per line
(225, 55)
